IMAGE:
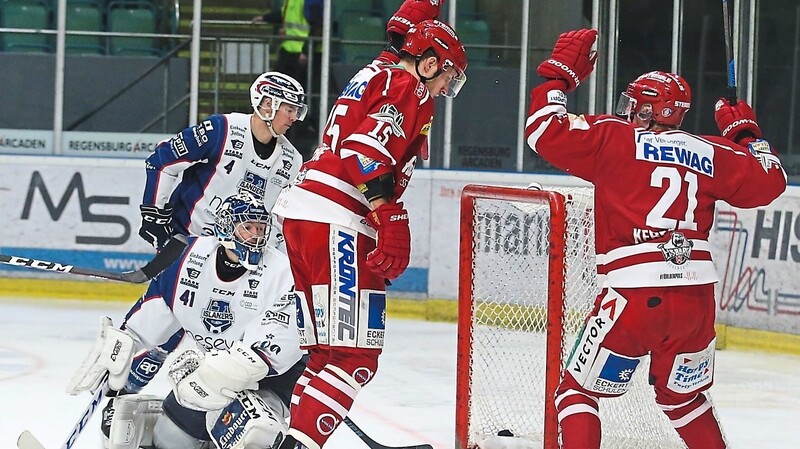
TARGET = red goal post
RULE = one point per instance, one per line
(527, 279)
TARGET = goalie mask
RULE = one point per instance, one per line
(656, 96)
(442, 39)
(279, 89)
(243, 226)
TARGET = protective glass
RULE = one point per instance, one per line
(455, 80)
(297, 111)
(626, 106)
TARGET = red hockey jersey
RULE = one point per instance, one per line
(382, 117)
(655, 192)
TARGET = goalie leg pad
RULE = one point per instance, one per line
(169, 435)
(247, 423)
(134, 418)
(112, 352)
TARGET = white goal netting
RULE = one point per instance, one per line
(510, 266)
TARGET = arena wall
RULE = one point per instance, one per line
(84, 211)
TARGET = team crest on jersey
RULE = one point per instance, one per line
(388, 113)
(252, 183)
(217, 317)
(677, 250)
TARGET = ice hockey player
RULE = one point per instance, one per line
(230, 297)
(346, 229)
(221, 156)
(655, 192)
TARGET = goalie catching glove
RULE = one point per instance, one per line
(572, 59)
(393, 248)
(212, 381)
(112, 353)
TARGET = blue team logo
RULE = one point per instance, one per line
(217, 316)
(253, 184)
(615, 375)
(377, 310)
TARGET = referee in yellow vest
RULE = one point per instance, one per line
(292, 60)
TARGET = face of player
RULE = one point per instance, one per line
(447, 84)
(251, 232)
(284, 118)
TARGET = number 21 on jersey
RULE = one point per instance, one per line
(672, 177)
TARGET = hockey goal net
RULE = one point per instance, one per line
(527, 280)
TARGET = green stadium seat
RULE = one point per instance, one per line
(26, 14)
(472, 32)
(363, 7)
(356, 27)
(389, 7)
(84, 15)
(132, 17)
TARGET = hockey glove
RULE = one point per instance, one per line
(112, 353)
(572, 59)
(410, 13)
(391, 255)
(736, 123)
(156, 226)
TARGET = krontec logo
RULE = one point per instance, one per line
(737, 123)
(567, 69)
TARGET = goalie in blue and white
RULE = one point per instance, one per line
(231, 296)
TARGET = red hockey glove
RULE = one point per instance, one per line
(390, 257)
(412, 12)
(736, 123)
(572, 59)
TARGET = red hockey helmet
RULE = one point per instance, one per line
(658, 96)
(442, 39)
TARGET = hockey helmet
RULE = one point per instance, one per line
(443, 40)
(279, 88)
(243, 226)
(658, 96)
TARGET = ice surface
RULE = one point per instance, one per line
(410, 401)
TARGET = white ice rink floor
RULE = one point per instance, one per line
(411, 400)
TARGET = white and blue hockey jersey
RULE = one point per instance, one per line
(215, 159)
(189, 301)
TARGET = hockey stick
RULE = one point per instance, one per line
(374, 444)
(172, 250)
(728, 29)
(26, 439)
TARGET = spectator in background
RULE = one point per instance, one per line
(299, 19)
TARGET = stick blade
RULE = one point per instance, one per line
(26, 440)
